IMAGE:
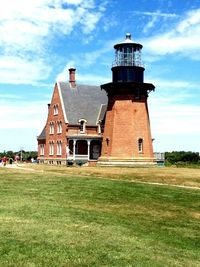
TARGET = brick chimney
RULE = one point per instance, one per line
(72, 79)
(48, 107)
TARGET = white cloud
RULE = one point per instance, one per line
(168, 118)
(15, 70)
(156, 14)
(92, 79)
(23, 114)
(184, 38)
(150, 24)
(154, 18)
(27, 20)
(81, 78)
(89, 59)
(27, 28)
(175, 121)
(64, 74)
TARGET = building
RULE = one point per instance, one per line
(108, 124)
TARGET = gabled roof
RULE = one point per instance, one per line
(82, 102)
(42, 135)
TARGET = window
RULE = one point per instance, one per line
(51, 128)
(140, 145)
(51, 148)
(59, 127)
(82, 125)
(55, 110)
(59, 148)
(42, 150)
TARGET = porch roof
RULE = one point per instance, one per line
(84, 137)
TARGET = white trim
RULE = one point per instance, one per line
(82, 120)
(97, 121)
(41, 149)
(62, 103)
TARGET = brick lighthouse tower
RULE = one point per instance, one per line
(127, 136)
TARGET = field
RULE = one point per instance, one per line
(118, 217)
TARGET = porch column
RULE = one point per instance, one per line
(88, 143)
(74, 149)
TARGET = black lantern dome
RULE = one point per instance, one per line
(128, 66)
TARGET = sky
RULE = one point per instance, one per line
(41, 39)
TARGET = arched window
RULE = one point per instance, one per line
(42, 150)
(51, 128)
(51, 148)
(59, 148)
(55, 109)
(82, 123)
(59, 127)
(140, 145)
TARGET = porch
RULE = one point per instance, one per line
(82, 149)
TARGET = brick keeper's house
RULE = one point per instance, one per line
(107, 124)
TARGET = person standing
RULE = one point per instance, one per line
(4, 160)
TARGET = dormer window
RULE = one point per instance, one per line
(55, 110)
(140, 145)
(82, 123)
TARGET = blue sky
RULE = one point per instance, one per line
(41, 39)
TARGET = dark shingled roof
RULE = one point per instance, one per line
(83, 102)
(42, 136)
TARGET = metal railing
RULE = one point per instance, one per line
(77, 157)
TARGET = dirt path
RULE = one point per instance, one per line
(23, 167)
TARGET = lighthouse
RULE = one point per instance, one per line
(127, 135)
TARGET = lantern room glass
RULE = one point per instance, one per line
(128, 55)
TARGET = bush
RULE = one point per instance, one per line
(182, 157)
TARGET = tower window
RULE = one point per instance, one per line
(140, 145)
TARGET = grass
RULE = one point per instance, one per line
(58, 216)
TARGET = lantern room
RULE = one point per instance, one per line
(128, 66)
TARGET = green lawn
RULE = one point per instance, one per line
(55, 218)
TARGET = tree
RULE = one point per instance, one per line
(182, 156)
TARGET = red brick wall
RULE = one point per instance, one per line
(66, 129)
(55, 118)
(127, 120)
(75, 130)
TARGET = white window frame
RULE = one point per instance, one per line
(59, 127)
(51, 148)
(55, 109)
(82, 123)
(59, 148)
(51, 128)
(41, 149)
